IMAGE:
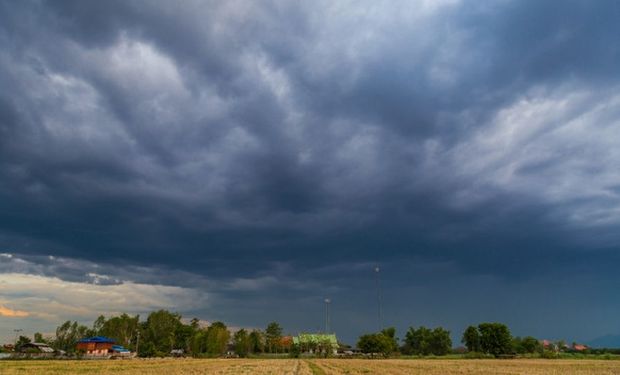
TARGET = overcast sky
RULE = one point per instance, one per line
(243, 160)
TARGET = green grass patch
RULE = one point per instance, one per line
(316, 370)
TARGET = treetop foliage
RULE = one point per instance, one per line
(164, 331)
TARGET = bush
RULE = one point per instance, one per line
(294, 352)
(549, 354)
(478, 355)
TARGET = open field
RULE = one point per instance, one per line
(158, 366)
(313, 366)
(466, 366)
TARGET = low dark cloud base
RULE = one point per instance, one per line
(276, 152)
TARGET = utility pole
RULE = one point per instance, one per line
(379, 323)
(327, 302)
(17, 331)
(138, 344)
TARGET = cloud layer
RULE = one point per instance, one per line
(266, 151)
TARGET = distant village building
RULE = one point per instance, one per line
(36, 348)
(100, 346)
(317, 343)
(120, 351)
(549, 345)
(286, 342)
(580, 347)
(96, 346)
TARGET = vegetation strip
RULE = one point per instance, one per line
(316, 370)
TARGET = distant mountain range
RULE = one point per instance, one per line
(607, 341)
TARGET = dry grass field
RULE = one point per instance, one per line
(158, 366)
(464, 366)
(313, 367)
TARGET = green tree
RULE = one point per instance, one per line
(22, 340)
(375, 343)
(242, 343)
(68, 334)
(390, 333)
(122, 329)
(530, 344)
(195, 323)
(217, 339)
(295, 351)
(561, 345)
(273, 335)
(38, 337)
(495, 338)
(418, 341)
(159, 333)
(184, 337)
(257, 341)
(440, 343)
(424, 341)
(471, 339)
(198, 342)
(98, 325)
(325, 347)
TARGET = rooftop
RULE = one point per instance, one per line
(97, 339)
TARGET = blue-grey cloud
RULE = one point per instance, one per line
(272, 151)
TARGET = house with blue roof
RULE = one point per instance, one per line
(96, 346)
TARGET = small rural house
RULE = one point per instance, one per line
(96, 346)
(39, 348)
(580, 347)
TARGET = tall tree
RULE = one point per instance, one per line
(471, 339)
(68, 334)
(273, 335)
(257, 341)
(495, 338)
(98, 325)
(123, 329)
(198, 342)
(390, 333)
(418, 341)
(159, 333)
(242, 343)
(441, 343)
(217, 339)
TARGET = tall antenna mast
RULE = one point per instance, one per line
(379, 323)
(327, 302)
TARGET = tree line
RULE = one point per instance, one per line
(164, 331)
(486, 339)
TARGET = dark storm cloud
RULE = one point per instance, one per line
(243, 145)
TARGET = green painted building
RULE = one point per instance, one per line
(316, 342)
